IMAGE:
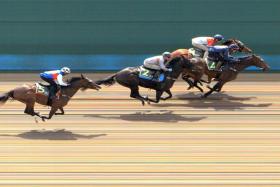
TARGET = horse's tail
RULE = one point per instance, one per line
(109, 81)
(6, 96)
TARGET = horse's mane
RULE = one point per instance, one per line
(177, 59)
(74, 79)
(174, 60)
(229, 41)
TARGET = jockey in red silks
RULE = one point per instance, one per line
(202, 43)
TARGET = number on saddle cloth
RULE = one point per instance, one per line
(42, 89)
(210, 64)
(151, 75)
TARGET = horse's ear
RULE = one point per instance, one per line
(83, 77)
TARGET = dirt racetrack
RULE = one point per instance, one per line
(107, 139)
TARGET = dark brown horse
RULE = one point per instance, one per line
(197, 72)
(228, 74)
(129, 77)
(30, 95)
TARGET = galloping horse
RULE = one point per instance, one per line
(129, 77)
(228, 75)
(197, 72)
(31, 94)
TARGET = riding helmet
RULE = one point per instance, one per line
(166, 54)
(66, 70)
(218, 37)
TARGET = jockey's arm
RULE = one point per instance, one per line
(162, 66)
(226, 56)
(60, 80)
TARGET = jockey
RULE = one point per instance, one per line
(158, 62)
(220, 54)
(55, 79)
(203, 43)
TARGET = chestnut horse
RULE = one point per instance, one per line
(29, 95)
(228, 74)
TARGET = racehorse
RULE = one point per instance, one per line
(197, 72)
(228, 75)
(129, 77)
(31, 94)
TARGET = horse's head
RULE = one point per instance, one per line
(86, 83)
(260, 63)
(241, 45)
(83, 83)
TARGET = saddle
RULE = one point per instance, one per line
(47, 90)
(151, 75)
(195, 52)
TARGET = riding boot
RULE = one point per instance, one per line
(51, 94)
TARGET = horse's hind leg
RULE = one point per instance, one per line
(135, 94)
(29, 109)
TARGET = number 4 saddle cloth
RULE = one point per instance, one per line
(151, 75)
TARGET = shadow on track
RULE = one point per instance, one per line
(164, 116)
(219, 101)
(60, 134)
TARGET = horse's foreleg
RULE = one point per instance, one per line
(158, 95)
(220, 86)
(52, 112)
(62, 111)
(216, 86)
(168, 97)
